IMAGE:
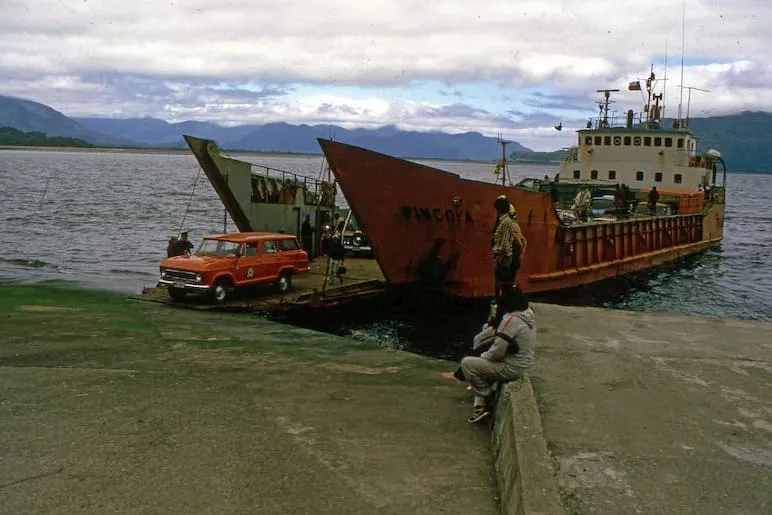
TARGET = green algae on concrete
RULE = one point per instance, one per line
(113, 405)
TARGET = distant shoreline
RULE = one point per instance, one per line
(142, 150)
(183, 151)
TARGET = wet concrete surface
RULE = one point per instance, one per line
(654, 413)
(110, 405)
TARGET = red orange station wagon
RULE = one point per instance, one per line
(224, 262)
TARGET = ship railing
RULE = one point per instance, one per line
(599, 244)
(283, 189)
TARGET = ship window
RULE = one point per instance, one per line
(637, 141)
(588, 140)
(593, 174)
(680, 143)
(617, 140)
(627, 141)
(612, 174)
(607, 140)
(677, 178)
(647, 141)
(668, 142)
(658, 141)
(598, 140)
(639, 175)
(657, 176)
(577, 174)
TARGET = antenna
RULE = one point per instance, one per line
(504, 172)
(689, 99)
(683, 30)
(664, 88)
(603, 105)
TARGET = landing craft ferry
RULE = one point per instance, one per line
(432, 228)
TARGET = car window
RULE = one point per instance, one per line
(288, 244)
(251, 248)
(269, 247)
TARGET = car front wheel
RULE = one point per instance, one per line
(284, 282)
(222, 290)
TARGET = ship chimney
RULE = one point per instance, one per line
(630, 119)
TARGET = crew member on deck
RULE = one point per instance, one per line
(653, 199)
(582, 204)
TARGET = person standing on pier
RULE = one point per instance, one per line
(503, 238)
(172, 249)
(332, 247)
(307, 237)
(186, 246)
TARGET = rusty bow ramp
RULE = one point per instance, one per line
(432, 227)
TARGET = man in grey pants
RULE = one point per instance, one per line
(510, 355)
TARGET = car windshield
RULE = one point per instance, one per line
(353, 225)
(218, 248)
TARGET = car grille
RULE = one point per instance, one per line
(180, 275)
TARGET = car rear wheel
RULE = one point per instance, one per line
(284, 282)
(222, 290)
(176, 294)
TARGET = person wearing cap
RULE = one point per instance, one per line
(503, 239)
(511, 352)
(186, 247)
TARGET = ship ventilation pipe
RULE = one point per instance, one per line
(630, 119)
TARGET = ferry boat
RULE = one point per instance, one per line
(431, 228)
(265, 199)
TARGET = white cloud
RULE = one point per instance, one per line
(55, 52)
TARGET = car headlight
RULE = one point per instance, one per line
(163, 271)
(198, 278)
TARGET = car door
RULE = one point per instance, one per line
(292, 255)
(267, 267)
(247, 264)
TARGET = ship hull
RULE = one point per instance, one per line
(432, 228)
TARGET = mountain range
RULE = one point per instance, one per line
(26, 115)
(741, 138)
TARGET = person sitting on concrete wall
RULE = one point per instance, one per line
(510, 355)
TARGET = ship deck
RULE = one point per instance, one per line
(363, 280)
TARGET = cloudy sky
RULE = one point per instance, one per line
(511, 66)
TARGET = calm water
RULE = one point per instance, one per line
(103, 220)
